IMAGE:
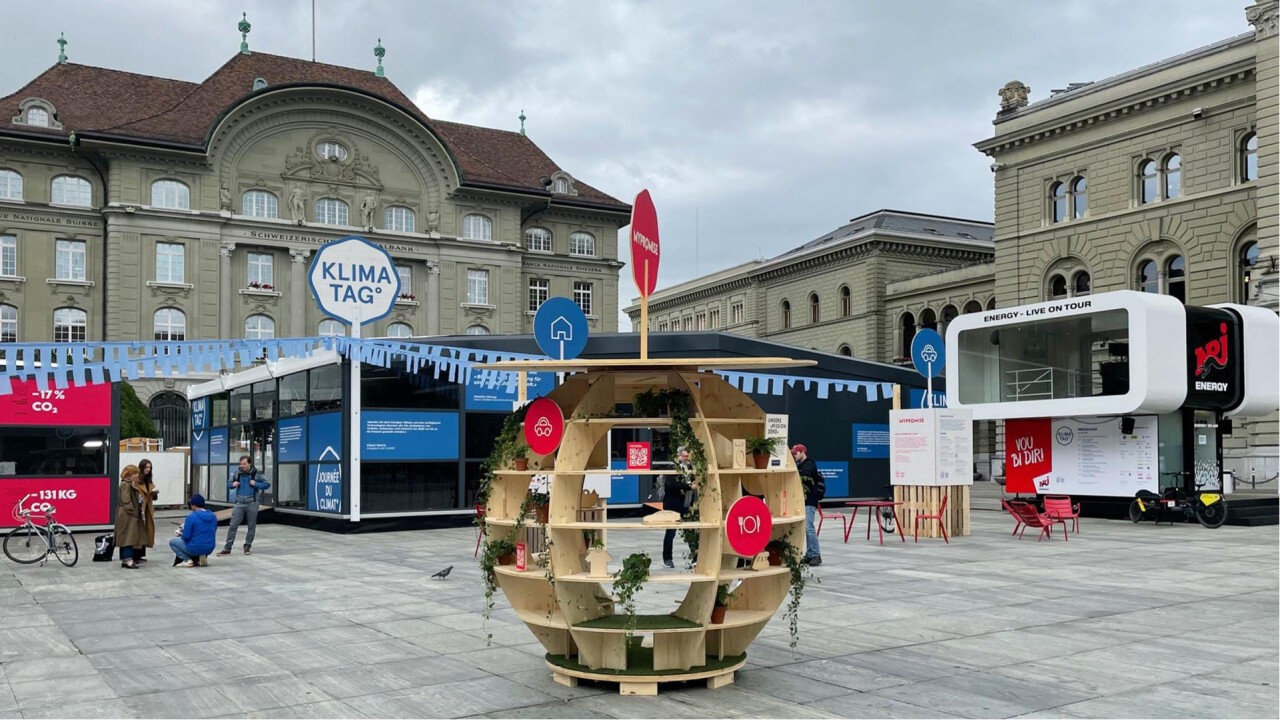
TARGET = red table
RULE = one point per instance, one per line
(873, 507)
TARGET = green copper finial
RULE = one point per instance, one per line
(245, 27)
(62, 48)
(379, 52)
(522, 119)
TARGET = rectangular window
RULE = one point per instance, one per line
(8, 255)
(406, 279)
(662, 326)
(170, 267)
(70, 262)
(700, 321)
(735, 313)
(539, 291)
(261, 269)
(687, 323)
(1047, 359)
(477, 287)
(582, 296)
(715, 318)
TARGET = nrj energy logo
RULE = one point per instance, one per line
(1212, 356)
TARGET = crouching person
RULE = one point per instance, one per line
(197, 537)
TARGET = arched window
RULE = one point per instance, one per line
(929, 319)
(1248, 259)
(991, 304)
(908, 322)
(477, 330)
(332, 211)
(399, 330)
(71, 190)
(329, 150)
(1175, 272)
(1148, 187)
(1248, 158)
(170, 194)
(398, 218)
(815, 308)
(1082, 283)
(477, 227)
(38, 117)
(844, 350)
(582, 243)
(332, 328)
(1057, 287)
(8, 324)
(949, 313)
(70, 324)
(1148, 279)
(1057, 202)
(1172, 176)
(10, 185)
(538, 239)
(260, 203)
(561, 186)
(170, 324)
(786, 314)
(1079, 197)
(972, 306)
(259, 327)
(846, 301)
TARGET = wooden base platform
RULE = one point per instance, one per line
(641, 681)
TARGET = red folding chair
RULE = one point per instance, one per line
(479, 529)
(941, 525)
(1010, 506)
(1059, 507)
(844, 522)
(1031, 517)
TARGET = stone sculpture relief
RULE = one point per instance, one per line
(1014, 95)
(297, 205)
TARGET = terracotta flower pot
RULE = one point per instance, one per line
(541, 513)
(774, 558)
(761, 461)
(508, 559)
(717, 614)
(521, 463)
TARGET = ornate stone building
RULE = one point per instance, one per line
(137, 207)
(841, 293)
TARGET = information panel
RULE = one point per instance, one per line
(1092, 457)
(931, 447)
(391, 435)
(218, 446)
(324, 487)
(291, 440)
(324, 437)
(835, 474)
(870, 441)
(78, 501)
(67, 407)
(482, 397)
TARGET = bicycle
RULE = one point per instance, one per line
(886, 516)
(1208, 508)
(30, 543)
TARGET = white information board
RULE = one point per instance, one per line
(1091, 457)
(931, 447)
(777, 426)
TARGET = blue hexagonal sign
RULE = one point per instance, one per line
(354, 280)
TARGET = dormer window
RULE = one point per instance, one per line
(38, 117)
(562, 184)
(259, 83)
(37, 112)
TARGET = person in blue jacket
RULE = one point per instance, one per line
(198, 536)
(243, 487)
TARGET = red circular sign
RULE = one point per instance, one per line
(748, 526)
(645, 251)
(543, 426)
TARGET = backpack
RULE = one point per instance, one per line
(104, 547)
(819, 490)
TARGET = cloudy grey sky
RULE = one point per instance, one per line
(774, 122)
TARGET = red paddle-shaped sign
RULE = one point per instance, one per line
(543, 426)
(645, 251)
(748, 526)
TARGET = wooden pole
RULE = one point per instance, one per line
(522, 387)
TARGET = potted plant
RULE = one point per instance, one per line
(723, 595)
(520, 455)
(800, 573)
(540, 502)
(776, 548)
(496, 552)
(628, 581)
(761, 448)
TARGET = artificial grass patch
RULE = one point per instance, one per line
(643, 622)
(640, 662)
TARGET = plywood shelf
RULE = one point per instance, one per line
(739, 618)
(657, 624)
(531, 572)
(632, 525)
(745, 574)
(542, 620)
(511, 522)
(657, 577)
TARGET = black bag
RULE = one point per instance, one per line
(104, 547)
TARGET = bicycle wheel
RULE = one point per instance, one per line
(1212, 516)
(64, 545)
(25, 545)
(886, 523)
(1135, 512)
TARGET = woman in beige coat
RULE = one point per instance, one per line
(131, 517)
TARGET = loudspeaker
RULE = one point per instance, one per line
(1126, 425)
